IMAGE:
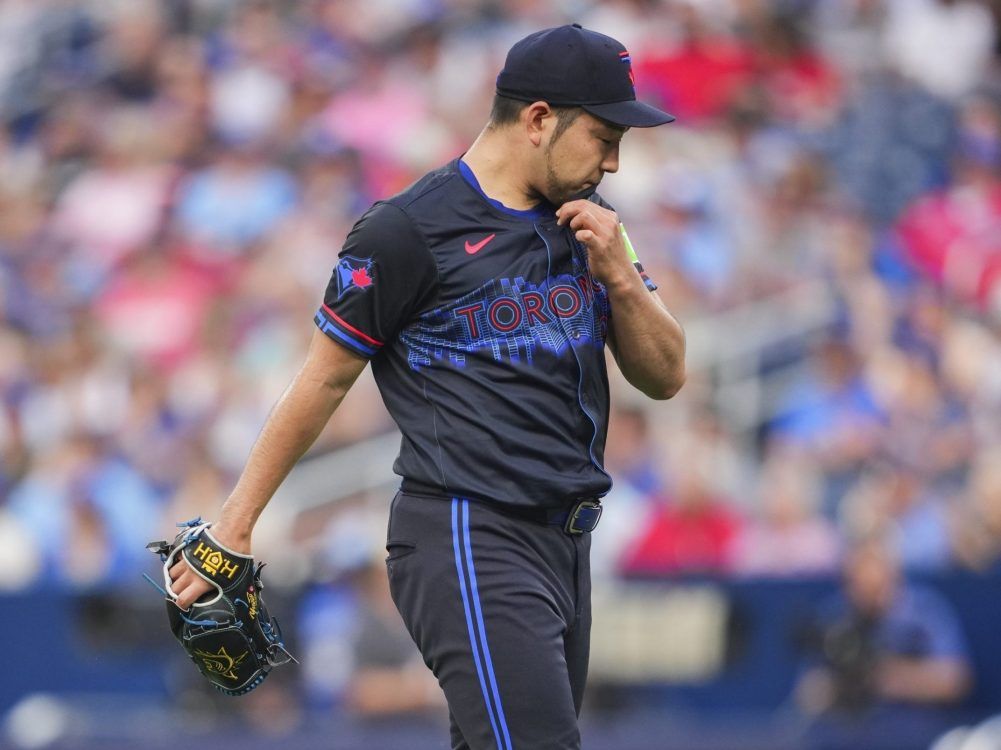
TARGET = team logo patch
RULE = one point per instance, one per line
(628, 60)
(354, 273)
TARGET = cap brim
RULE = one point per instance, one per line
(629, 114)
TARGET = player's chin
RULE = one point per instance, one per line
(585, 192)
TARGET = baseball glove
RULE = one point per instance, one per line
(230, 637)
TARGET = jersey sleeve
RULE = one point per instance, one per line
(647, 281)
(383, 276)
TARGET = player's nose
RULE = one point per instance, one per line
(611, 162)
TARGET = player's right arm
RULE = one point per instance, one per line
(383, 275)
(293, 425)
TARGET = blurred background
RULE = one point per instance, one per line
(802, 549)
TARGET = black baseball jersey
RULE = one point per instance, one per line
(486, 333)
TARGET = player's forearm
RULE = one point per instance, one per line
(647, 341)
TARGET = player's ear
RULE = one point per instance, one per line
(537, 119)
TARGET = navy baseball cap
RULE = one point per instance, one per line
(571, 66)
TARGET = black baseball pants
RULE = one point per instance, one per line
(499, 607)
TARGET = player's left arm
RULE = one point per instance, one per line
(647, 341)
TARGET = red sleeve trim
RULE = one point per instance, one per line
(339, 319)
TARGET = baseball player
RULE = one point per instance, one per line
(484, 295)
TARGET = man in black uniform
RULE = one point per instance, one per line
(484, 295)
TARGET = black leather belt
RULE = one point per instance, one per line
(579, 518)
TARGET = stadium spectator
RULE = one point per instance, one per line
(699, 74)
(951, 234)
(359, 655)
(832, 415)
(961, 31)
(789, 537)
(693, 527)
(977, 529)
(885, 653)
(895, 498)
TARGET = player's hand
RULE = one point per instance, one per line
(188, 585)
(597, 228)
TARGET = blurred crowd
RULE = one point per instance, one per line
(176, 178)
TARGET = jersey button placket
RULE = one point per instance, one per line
(574, 335)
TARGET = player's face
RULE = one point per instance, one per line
(578, 159)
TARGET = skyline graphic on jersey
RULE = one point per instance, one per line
(511, 320)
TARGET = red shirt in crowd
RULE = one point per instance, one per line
(685, 540)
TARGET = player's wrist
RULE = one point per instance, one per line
(234, 533)
(622, 280)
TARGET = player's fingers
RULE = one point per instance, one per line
(181, 583)
(178, 569)
(597, 223)
(581, 220)
(184, 599)
(191, 594)
(568, 210)
(186, 578)
(584, 236)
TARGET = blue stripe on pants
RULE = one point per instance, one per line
(469, 618)
(483, 632)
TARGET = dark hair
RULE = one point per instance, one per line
(506, 111)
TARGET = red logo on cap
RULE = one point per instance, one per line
(628, 60)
